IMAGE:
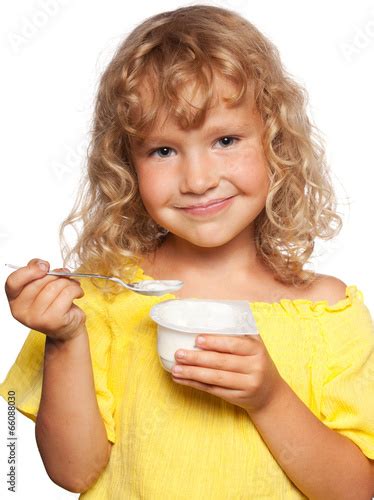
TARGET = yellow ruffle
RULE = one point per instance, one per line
(309, 307)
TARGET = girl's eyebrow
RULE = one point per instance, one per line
(231, 129)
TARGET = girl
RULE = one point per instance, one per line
(203, 167)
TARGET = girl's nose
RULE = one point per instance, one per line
(199, 173)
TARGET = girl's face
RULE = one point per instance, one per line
(223, 158)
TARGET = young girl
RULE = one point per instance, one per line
(195, 109)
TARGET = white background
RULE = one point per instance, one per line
(52, 54)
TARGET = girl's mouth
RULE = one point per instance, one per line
(211, 209)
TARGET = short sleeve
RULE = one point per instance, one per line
(25, 376)
(347, 404)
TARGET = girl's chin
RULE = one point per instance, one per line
(213, 241)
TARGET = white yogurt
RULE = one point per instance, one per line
(154, 285)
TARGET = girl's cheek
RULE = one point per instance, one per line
(251, 169)
(155, 188)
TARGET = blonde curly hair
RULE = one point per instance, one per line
(165, 53)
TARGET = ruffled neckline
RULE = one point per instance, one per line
(304, 306)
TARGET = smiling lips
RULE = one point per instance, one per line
(210, 209)
(204, 205)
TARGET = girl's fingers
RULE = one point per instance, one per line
(49, 294)
(17, 280)
(61, 312)
(26, 283)
(217, 360)
(31, 291)
(229, 380)
(63, 306)
(240, 344)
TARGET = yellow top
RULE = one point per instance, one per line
(176, 442)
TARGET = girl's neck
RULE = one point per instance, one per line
(256, 284)
(178, 257)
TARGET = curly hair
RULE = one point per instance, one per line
(163, 54)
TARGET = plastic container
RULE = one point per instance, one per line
(179, 321)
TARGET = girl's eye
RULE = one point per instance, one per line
(163, 150)
(229, 138)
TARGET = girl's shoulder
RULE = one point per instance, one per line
(329, 288)
(346, 319)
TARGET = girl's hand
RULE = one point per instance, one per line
(236, 369)
(45, 303)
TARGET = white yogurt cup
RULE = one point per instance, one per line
(179, 321)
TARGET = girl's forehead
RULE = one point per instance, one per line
(192, 92)
(190, 100)
(219, 114)
(220, 119)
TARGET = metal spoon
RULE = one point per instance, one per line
(152, 287)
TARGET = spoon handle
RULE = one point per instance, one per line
(65, 273)
(77, 275)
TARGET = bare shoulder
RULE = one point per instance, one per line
(328, 288)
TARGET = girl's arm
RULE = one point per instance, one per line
(322, 463)
(69, 430)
